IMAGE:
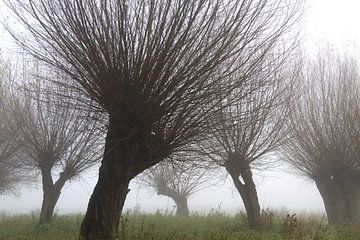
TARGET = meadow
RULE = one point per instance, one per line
(163, 226)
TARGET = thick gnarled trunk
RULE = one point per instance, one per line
(182, 208)
(248, 193)
(341, 199)
(125, 157)
(51, 194)
(106, 203)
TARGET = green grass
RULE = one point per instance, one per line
(216, 225)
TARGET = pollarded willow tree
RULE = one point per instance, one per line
(177, 180)
(57, 140)
(12, 171)
(155, 67)
(324, 128)
(243, 135)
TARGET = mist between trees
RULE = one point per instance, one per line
(179, 92)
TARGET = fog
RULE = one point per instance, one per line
(276, 190)
(331, 20)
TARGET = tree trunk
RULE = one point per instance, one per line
(353, 190)
(123, 159)
(247, 191)
(51, 194)
(106, 203)
(181, 206)
(50, 199)
(180, 200)
(341, 199)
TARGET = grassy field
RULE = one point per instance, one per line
(212, 226)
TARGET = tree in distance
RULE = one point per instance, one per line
(12, 171)
(57, 140)
(177, 180)
(155, 67)
(323, 141)
(11, 168)
(244, 135)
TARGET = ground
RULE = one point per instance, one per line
(159, 226)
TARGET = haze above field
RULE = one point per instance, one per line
(330, 21)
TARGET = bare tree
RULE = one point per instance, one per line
(324, 141)
(177, 180)
(12, 171)
(155, 67)
(10, 164)
(244, 134)
(57, 140)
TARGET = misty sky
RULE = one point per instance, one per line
(332, 21)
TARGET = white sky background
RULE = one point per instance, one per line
(327, 21)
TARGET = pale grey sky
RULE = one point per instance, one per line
(332, 21)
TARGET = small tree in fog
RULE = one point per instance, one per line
(243, 135)
(57, 139)
(12, 171)
(177, 180)
(324, 143)
(155, 67)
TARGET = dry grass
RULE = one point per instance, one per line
(215, 225)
